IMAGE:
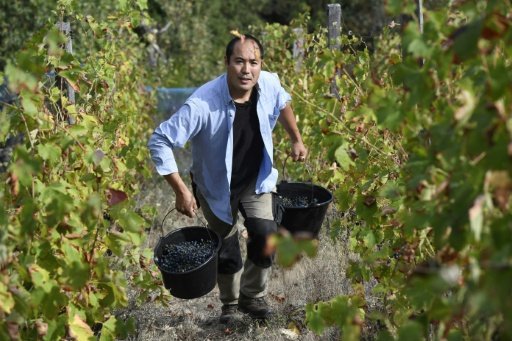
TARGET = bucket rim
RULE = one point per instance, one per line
(318, 204)
(214, 254)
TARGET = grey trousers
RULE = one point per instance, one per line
(251, 280)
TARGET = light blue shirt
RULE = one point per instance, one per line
(206, 120)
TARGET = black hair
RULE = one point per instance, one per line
(232, 42)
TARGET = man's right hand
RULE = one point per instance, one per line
(185, 201)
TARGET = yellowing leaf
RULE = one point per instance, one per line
(79, 330)
(6, 299)
(39, 275)
(468, 105)
(235, 33)
(476, 217)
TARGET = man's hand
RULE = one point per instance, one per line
(185, 201)
(299, 151)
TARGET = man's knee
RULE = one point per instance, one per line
(230, 259)
(259, 230)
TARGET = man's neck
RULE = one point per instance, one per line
(242, 97)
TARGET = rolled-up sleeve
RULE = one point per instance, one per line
(170, 134)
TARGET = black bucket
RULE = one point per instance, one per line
(307, 219)
(195, 282)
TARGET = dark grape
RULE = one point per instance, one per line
(185, 256)
(6, 150)
(297, 201)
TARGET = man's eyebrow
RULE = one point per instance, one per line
(249, 59)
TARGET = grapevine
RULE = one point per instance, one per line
(418, 148)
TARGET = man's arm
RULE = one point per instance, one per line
(287, 119)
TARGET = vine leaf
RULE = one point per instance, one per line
(476, 217)
(49, 152)
(80, 330)
(343, 158)
(115, 196)
(6, 299)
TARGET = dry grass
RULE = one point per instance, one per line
(308, 281)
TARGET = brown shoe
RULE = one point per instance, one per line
(228, 314)
(257, 308)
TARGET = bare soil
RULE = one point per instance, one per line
(308, 281)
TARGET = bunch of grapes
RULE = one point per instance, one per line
(6, 151)
(185, 256)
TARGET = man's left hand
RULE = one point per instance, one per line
(299, 152)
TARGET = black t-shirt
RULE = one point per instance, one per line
(247, 145)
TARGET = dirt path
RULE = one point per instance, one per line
(308, 281)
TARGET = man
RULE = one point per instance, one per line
(229, 123)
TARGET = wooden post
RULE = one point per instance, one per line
(419, 11)
(298, 48)
(65, 28)
(334, 25)
(333, 35)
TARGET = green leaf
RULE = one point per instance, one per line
(398, 7)
(25, 167)
(77, 130)
(114, 329)
(30, 103)
(389, 115)
(49, 299)
(142, 4)
(289, 249)
(411, 330)
(76, 271)
(418, 48)
(342, 157)
(465, 44)
(39, 276)
(314, 320)
(49, 152)
(128, 220)
(369, 239)
(18, 79)
(56, 328)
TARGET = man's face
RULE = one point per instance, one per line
(243, 69)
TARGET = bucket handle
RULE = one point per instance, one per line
(306, 165)
(172, 210)
(308, 169)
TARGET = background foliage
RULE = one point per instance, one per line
(68, 229)
(413, 136)
(416, 148)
